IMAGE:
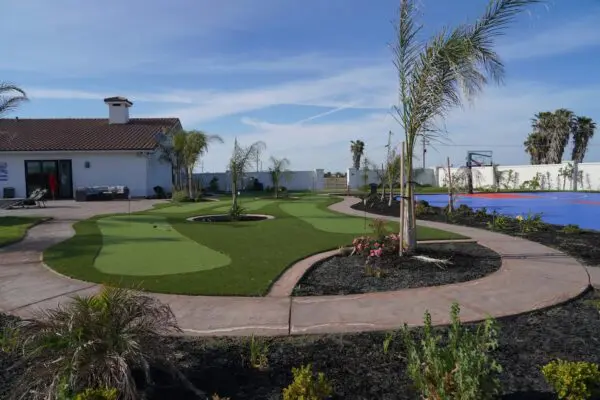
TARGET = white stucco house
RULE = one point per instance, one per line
(80, 152)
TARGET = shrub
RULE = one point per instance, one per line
(571, 229)
(213, 185)
(530, 223)
(465, 210)
(371, 247)
(572, 380)
(9, 338)
(98, 341)
(306, 387)
(458, 368)
(159, 192)
(236, 211)
(481, 213)
(259, 353)
(97, 394)
(499, 222)
(422, 208)
(379, 227)
(180, 196)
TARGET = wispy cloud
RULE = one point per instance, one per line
(367, 88)
(561, 38)
(499, 121)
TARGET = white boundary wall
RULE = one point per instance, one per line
(516, 176)
(292, 180)
(357, 179)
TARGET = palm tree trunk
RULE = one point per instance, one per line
(409, 224)
(190, 183)
(234, 198)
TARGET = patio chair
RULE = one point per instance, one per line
(36, 198)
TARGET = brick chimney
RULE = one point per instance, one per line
(118, 109)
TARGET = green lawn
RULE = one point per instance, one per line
(13, 229)
(160, 251)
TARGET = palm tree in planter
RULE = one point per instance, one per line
(436, 74)
(11, 97)
(107, 342)
(279, 171)
(240, 162)
(357, 148)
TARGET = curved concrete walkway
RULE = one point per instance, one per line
(532, 277)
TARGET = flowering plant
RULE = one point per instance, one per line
(373, 247)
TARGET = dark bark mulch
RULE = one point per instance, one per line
(582, 245)
(358, 366)
(348, 274)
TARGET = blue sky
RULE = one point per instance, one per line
(305, 77)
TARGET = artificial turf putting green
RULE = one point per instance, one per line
(259, 251)
(182, 208)
(326, 220)
(247, 205)
(14, 228)
(143, 245)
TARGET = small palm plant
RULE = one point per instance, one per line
(96, 342)
(279, 171)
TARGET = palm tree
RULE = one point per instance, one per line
(357, 148)
(434, 74)
(583, 132)
(239, 164)
(278, 170)
(11, 97)
(193, 145)
(95, 342)
(171, 150)
(563, 125)
(536, 146)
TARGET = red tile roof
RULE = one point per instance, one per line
(82, 134)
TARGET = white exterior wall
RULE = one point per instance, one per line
(356, 179)
(484, 176)
(139, 173)
(293, 180)
(158, 174)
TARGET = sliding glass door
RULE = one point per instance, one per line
(48, 174)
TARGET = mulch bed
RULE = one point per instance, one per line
(348, 274)
(582, 245)
(358, 366)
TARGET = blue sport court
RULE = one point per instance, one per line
(561, 208)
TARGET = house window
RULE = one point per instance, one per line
(86, 164)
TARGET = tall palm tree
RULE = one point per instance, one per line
(279, 170)
(583, 132)
(536, 146)
(11, 97)
(563, 125)
(194, 145)
(357, 148)
(239, 163)
(434, 74)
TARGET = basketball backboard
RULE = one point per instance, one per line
(479, 158)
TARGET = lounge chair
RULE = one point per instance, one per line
(36, 198)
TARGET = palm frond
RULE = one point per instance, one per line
(95, 341)
(11, 97)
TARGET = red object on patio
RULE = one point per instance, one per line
(52, 184)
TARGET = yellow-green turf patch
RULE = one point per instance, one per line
(142, 245)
